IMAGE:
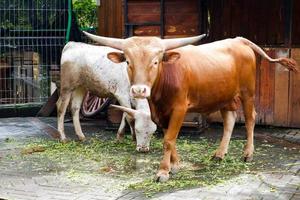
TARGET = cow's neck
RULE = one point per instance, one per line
(164, 91)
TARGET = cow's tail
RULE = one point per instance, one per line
(290, 64)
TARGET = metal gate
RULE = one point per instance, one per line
(32, 35)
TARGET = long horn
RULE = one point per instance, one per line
(179, 42)
(129, 111)
(107, 41)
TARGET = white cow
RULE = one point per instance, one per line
(85, 68)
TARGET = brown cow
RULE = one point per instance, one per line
(203, 79)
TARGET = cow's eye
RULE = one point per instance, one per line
(155, 63)
(127, 62)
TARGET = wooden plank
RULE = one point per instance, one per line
(143, 18)
(226, 20)
(190, 19)
(50, 106)
(177, 30)
(144, 7)
(181, 7)
(266, 91)
(244, 19)
(237, 27)
(119, 20)
(275, 34)
(101, 19)
(184, 22)
(110, 19)
(269, 115)
(215, 21)
(252, 22)
(261, 11)
(281, 101)
(273, 25)
(143, 12)
(294, 104)
(186, 30)
(146, 31)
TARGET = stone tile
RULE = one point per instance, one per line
(295, 167)
(295, 196)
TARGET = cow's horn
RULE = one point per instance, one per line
(179, 42)
(129, 111)
(116, 43)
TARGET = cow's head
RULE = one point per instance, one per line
(143, 125)
(144, 56)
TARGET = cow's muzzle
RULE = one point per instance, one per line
(143, 149)
(140, 91)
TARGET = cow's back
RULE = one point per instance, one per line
(216, 73)
(88, 65)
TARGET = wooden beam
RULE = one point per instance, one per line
(49, 107)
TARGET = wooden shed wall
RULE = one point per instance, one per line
(277, 99)
(265, 22)
(110, 18)
(180, 18)
(278, 91)
(251, 19)
(277, 27)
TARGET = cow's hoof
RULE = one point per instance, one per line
(162, 176)
(64, 140)
(82, 139)
(219, 155)
(120, 137)
(86, 142)
(248, 159)
(217, 158)
(119, 140)
(174, 168)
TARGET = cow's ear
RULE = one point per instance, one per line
(116, 57)
(171, 57)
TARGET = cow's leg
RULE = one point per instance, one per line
(132, 130)
(169, 145)
(121, 130)
(62, 105)
(228, 124)
(249, 112)
(174, 161)
(125, 101)
(77, 98)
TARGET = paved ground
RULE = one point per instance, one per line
(29, 183)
